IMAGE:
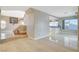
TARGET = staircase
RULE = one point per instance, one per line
(21, 30)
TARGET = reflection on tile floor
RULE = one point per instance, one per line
(68, 41)
(71, 42)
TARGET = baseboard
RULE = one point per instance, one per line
(38, 37)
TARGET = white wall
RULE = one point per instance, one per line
(41, 24)
(29, 21)
(38, 24)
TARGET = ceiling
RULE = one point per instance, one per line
(13, 13)
(58, 11)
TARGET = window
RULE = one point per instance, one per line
(3, 24)
(53, 24)
(71, 24)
